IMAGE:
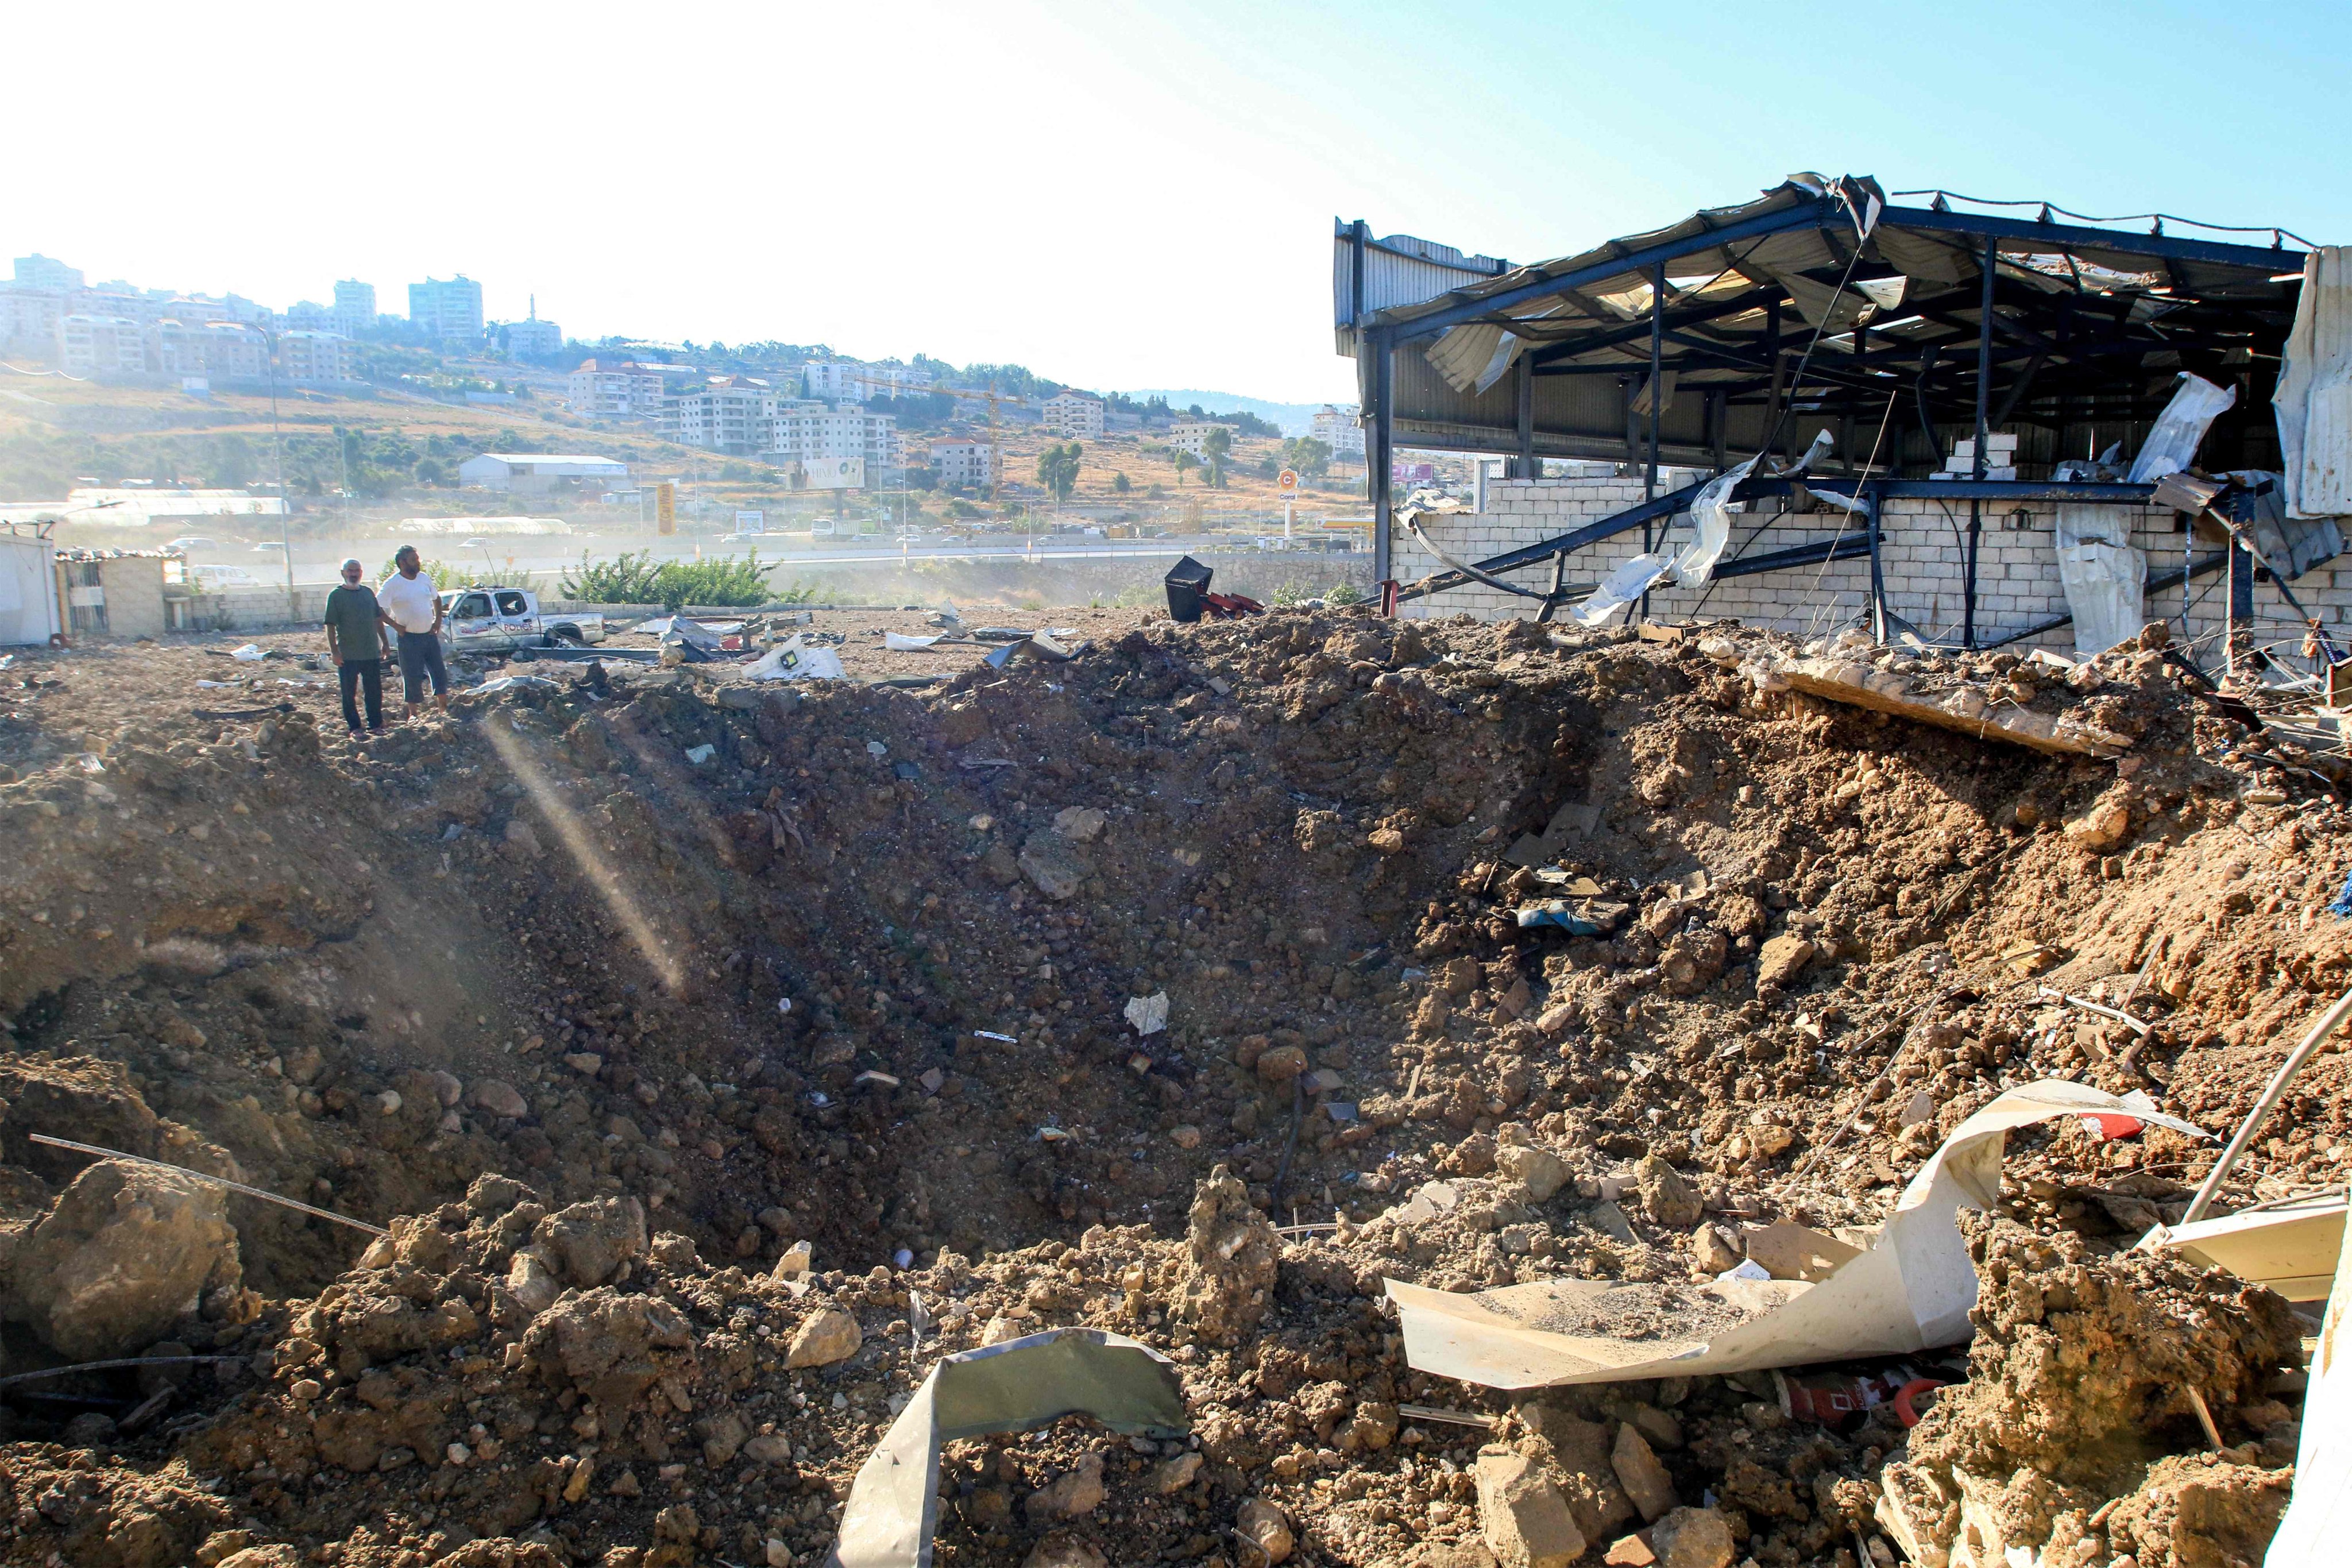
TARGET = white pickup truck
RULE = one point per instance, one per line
(501, 620)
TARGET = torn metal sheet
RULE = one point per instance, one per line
(793, 661)
(2313, 400)
(899, 642)
(2290, 1247)
(2105, 575)
(2319, 1511)
(1912, 1290)
(1017, 1386)
(2172, 442)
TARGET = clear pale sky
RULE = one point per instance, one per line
(1112, 194)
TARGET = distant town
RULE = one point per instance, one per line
(815, 419)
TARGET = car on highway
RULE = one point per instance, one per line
(267, 545)
(192, 542)
(501, 620)
(473, 544)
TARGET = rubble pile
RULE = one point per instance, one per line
(1190, 988)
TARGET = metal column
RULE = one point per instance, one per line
(2242, 611)
(1877, 572)
(1984, 387)
(1379, 447)
(1657, 397)
(1526, 465)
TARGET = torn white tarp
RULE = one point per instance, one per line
(1021, 1384)
(2172, 445)
(2313, 400)
(899, 642)
(792, 661)
(1710, 515)
(2319, 1511)
(2105, 575)
(1911, 1291)
(1628, 582)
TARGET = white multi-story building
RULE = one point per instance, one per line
(316, 359)
(92, 345)
(355, 307)
(30, 315)
(309, 316)
(451, 309)
(1191, 434)
(808, 430)
(624, 391)
(532, 337)
(234, 350)
(38, 272)
(964, 465)
(1076, 416)
(736, 417)
(1335, 426)
(852, 381)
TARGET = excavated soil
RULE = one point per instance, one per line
(604, 992)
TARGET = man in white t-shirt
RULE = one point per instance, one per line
(412, 608)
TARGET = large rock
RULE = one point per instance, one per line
(1692, 1538)
(1638, 1471)
(1783, 958)
(1522, 1516)
(1667, 1198)
(124, 1252)
(498, 1098)
(1075, 1493)
(1264, 1533)
(1231, 1258)
(1064, 1549)
(589, 1242)
(829, 1336)
(1054, 864)
(1588, 1481)
(1539, 1170)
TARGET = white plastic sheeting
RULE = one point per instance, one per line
(2319, 1512)
(2172, 445)
(2313, 400)
(2105, 575)
(1628, 582)
(28, 593)
(1710, 515)
(1912, 1290)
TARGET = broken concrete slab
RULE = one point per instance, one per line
(1522, 1515)
(1841, 678)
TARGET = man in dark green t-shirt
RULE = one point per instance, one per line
(355, 641)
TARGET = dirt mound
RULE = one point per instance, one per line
(714, 972)
(2087, 1380)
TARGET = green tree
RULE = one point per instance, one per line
(1057, 470)
(1310, 457)
(1216, 454)
(1185, 462)
(1120, 482)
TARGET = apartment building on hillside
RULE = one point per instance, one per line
(1191, 434)
(735, 416)
(603, 389)
(317, 358)
(1335, 424)
(964, 465)
(854, 381)
(450, 308)
(94, 345)
(355, 307)
(1076, 416)
(809, 430)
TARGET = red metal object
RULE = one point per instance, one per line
(1229, 606)
(1909, 1392)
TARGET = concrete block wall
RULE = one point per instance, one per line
(1921, 551)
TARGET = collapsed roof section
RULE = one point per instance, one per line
(1895, 325)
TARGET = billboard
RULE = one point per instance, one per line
(751, 523)
(832, 473)
(666, 508)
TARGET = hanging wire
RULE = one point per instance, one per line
(2048, 207)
